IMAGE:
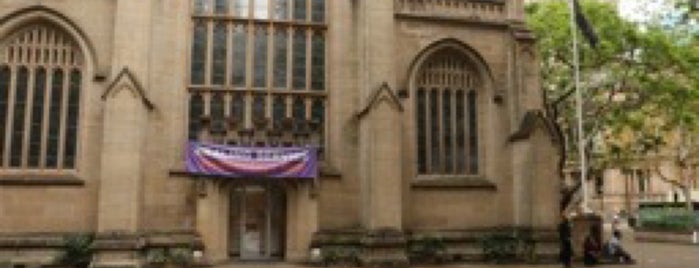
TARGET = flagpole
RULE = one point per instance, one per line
(579, 107)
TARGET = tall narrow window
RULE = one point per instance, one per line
(261, 9)
(472, 132)
(281, 9)
(240, 8)
(201, 6)
(460, 133)
(218, 66)
(300, 10)
(196, 110)
(37, 118)
(318, 111)
(54, 119)
(259, 106)
(20, 110)
(446, 115)
(434, 132)
(446, 133)
(4, 97)
(72, 119)
(279, 111)
(260, 57)
(221, 6)
(239, 50)
(299, 72)
(299, 113)
(199, 53)
(318, 7)
(421, 131)
(218, 111)
(40, 93)
(238, 108)
(280, 57)
(318, 62)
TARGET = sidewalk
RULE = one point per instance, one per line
(648, 255)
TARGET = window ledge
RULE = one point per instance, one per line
(38, 180)
(453, 182)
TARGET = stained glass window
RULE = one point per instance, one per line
(218, 66)
(299, 66)
(446, 119)
(258, 59)
(20, 109)
(40, 114)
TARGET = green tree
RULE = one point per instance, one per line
(640, 87)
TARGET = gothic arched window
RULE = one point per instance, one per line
(41, 69)
(447, 115)
(263, 60)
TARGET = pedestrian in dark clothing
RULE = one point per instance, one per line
(592, 247)
(564, 234)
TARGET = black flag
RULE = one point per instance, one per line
(584, 25)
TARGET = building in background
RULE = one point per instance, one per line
(620, 192)
(425, 117)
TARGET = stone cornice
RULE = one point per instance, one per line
(454, 182)
(472, 20)
(40, 180)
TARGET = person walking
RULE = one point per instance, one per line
(564, 235)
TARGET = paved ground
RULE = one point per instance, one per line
(648, 255)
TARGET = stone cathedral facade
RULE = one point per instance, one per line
(425, 115)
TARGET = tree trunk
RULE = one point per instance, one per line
(687, 192)
(627, 197)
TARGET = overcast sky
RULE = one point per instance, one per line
(635, 10)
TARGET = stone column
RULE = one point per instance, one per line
(124, 139)
(212, 219)
(380, 168)
(302, 221)
(526, 114)
(120, 192)
(535, 152)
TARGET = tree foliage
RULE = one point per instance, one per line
(640, 85)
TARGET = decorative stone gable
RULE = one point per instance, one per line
(126, 80)
(383, 94)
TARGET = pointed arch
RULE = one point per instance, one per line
(477, 61)
(13, 22)
(450, 84)
(47, 57)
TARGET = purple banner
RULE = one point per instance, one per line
(251, 162)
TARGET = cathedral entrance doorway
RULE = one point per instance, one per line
(257, 221)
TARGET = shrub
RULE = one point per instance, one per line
(77, 251)
(428, 249)
(181, 256)
(500, 247)
(339, 255)
(178, 256)
(156, 256)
